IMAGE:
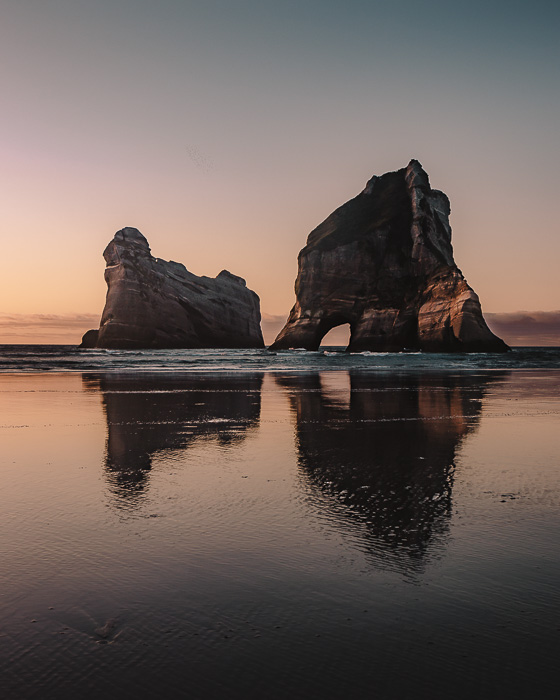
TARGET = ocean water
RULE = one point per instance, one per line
(70, 358)
(243, 524)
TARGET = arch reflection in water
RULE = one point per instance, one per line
(377, 455)
(148, 414)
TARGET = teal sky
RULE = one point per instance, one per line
(226, 131)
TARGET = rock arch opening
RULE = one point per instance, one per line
(337, 336)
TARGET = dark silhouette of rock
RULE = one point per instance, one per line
(162, 414)
(89, 339)
(383, 263)
(152, 303)
(378, 450)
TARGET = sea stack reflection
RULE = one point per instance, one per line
(158, 414)
(380, 456)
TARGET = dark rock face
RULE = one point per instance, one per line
(89, 339)
(152, 303)
(383, 263)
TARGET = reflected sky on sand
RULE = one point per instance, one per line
(319, 534)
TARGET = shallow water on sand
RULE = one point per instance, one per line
(313, 534)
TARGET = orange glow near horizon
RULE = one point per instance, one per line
(226, 137)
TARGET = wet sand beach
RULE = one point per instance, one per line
(319, 534)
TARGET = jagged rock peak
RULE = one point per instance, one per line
(153, 303)
(129, 236)
(383, 262)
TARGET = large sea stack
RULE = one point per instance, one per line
(152, 303)
(383, 263)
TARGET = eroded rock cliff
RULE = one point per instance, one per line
(152, 303)
(383, 262)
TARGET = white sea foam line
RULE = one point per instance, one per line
(268, 370)
(492, 414)
(391, 420)
(185, 423)
(182, 391)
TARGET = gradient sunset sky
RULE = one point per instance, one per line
(226, 131)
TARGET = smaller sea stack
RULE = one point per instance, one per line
(152, 303)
